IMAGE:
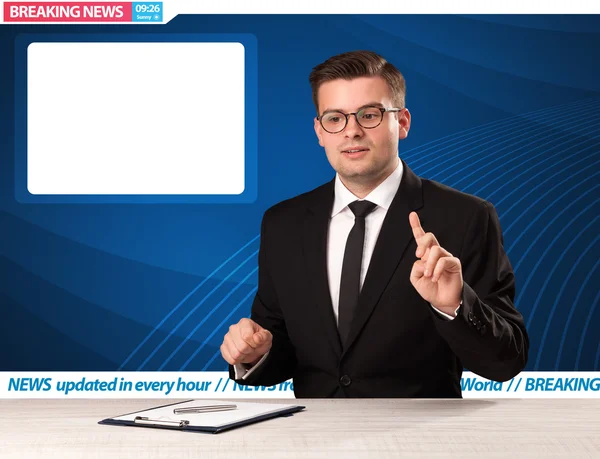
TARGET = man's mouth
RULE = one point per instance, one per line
(355, 150)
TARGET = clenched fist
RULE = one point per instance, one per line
(246, 342)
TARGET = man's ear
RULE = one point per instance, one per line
(319, 131)
(403, 123)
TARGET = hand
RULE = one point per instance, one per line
(246, 342)
(437, 275)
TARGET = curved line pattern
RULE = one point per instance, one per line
(452, 138)
(203, 321)
(526, 152)
(217, 328)
(524, 171)
(525, 130)
(548, 207)
(598, 350)
(542, 183)
(564, 284)
(544, 132)
(172, 311)
(195, 308)
(529, 277)
(530, 192)
(586, 322)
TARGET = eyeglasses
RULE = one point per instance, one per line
(368, 118)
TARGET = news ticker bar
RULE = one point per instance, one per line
(16, 385)
(36, 12)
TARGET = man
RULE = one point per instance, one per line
(378, 283)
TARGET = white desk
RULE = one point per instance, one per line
(330, 429)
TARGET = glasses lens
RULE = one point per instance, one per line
(369, 117)
(333, 121)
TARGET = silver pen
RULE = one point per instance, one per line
(160, 422)
(204, 409)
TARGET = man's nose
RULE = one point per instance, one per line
(353, 129)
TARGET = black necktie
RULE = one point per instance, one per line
(350, 283)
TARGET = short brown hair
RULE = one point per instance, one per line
(355, 64)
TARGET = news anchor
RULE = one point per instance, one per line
(379, 283)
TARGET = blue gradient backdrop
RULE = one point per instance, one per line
(505, 107)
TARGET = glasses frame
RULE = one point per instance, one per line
(347, 115)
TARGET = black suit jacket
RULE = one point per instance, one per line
(398, 345)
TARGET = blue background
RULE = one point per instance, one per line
(505, 107)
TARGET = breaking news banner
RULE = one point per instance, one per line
(217, 384)
(83, 12)
(142, 142)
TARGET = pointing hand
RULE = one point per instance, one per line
(436, 275)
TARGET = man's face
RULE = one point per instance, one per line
(378, 146)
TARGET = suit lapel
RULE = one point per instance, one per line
(394, 237)
(316, 227)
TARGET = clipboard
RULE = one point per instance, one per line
(163, 417)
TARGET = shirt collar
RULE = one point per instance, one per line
(382, 195)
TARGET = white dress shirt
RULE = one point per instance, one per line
(342, 221)
(340, 224)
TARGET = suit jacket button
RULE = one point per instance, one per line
(345, 380)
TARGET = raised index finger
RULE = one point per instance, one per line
(415, 224)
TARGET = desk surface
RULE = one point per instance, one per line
(375, 428)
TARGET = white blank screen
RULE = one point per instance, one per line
(135, 118)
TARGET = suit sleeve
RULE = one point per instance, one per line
(280, 364)
(488, 335)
